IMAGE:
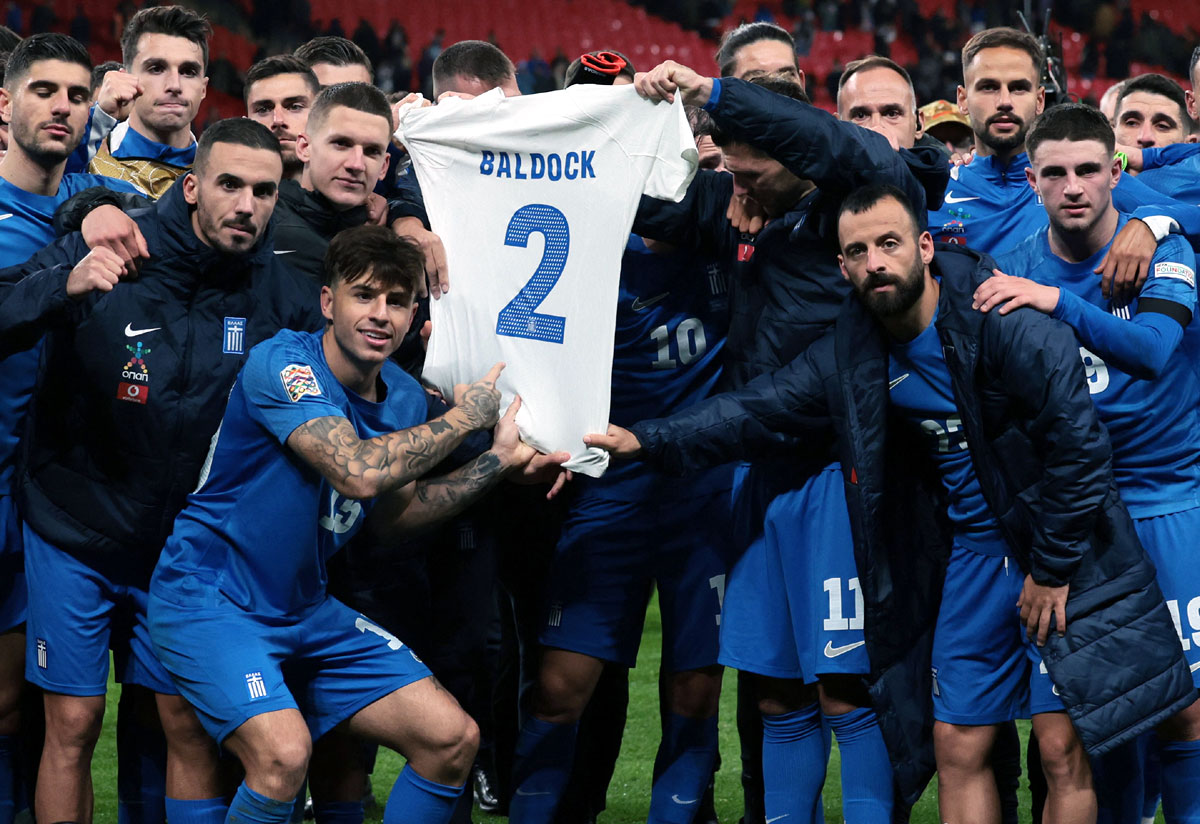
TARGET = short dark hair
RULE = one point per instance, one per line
(377, 251)
(875, 61)
(176, 21)
(277, 65)
(743, 36)
(101, 70)
(336, 51)
(241, 131)
(362, 97)
(699, 121)
(48, 46)
(784, 86)
(9, 39)
(1070, 121)
(1162, 86)
(1004, 37)
(867, 197)
(1192, 63)
(472, 58)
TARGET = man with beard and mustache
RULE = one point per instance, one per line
(45, 99)
(978, 479)
(988, 205)
(131, 388)
(1140, 360)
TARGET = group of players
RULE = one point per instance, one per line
(204, 403)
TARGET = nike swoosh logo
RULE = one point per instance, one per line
(6, 217)
(679, 800)
(284, 251)
(833, 652)
(639, 304)
(526, 794)
(130, 332)
(776, 818)
(950, 198)
(893, 384)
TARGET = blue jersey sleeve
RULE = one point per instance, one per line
(1140, 346)
(285, 389)
(1131, 195)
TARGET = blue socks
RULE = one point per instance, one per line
(682, 768)
(203, 811)
(1151, 775)
(251, 808)
(338, 812)
(10, 757)
(417, 800)
(794, 758)
(542, 764)
(866, 770)
(1180, 781)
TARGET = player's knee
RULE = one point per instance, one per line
(1063, 759)
(695, 693)
(73, 725)
(282, 769)
(961, 748)
(560, 698)
(1183, 725)
(777, 696)
(453, 747)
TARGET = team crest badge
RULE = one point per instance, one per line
(299, 381)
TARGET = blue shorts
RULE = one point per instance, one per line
(609, 555)
(981, 670)
(232, 665)
(1172, 542)
(81, 608)
(793, 607)
(13, 596)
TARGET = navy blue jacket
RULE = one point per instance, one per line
(786, 287)
(1044, 464)
(134, 381)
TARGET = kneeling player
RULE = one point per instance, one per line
(317, 426)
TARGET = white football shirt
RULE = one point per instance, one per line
(534, 198)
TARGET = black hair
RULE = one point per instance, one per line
(281, 64)
(1004, 37)
(1070, 121)
(377, 252)
(1192, 63)
(865, 198)
(47, 46)
(784, 86)
(362, 97)
(472, 58)
(1162, 86)
(241, 131)
(8, 39)
(101, 70)
(336, 51)
(743, 36)
(176, 21)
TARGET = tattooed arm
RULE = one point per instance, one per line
(430, 501)
(366, 468)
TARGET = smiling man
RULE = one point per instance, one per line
(166, 49)
(118, 431)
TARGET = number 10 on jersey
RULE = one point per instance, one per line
(518, 319)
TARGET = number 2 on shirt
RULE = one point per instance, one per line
(518, 318)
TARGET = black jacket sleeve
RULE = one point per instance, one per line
(755, 421)
(814, 145)
(1037, 359)
(69, 216)
(697, 221)
(33, 295)
(406, 200)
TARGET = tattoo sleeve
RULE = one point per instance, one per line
(436, 499)
(366, 468)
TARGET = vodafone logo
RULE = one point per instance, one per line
(137, 393)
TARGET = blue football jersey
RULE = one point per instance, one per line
(262, 524)
(919, 388)
(672, 318)
(1154, 425)
(26, 227)
(991, 207)
(1179, 176)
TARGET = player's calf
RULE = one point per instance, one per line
(1070, 799)
(966, 787)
